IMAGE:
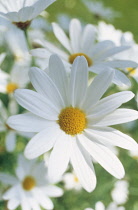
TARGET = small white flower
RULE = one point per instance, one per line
(100, 11)
(30, 188)
(120, 192)
(71, 118)
(22, 11)
(83, 42)
(17, 78)
(100, 206)
(16, 41)
(10, 134)
(71, 181)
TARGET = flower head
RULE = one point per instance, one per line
(71, 118)
(22, 12)
(82, 42)
(31, 187)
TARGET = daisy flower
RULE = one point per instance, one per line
(83, 42)
(120, 192)
(21, 12)
(71, 118)
(17, 78)
(71, 181)
(100, 206)
(30, 188)
(100, 11)
(10, 134)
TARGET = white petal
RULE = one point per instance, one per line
(40, 53)
(61, 36)
(33, 203)
(10, 193)
(24, 14)
(121, 64)
(35, 103)
(75, 35)
(83, 167)
(53, 191)
(59, 158)
(27, 122)
(97, 88)
(112, 51)
(88, 38)
(121, 79)
(111, 136)
(46, 87)
(13, 203)
(110, 103)
(103, 156)
(58, 74)
(42, 142)
(10, 141)
(101, 48)
(118, 116)
(42, 199)
(8, 179)
(53, 49)
(78, 81)
(39, 6)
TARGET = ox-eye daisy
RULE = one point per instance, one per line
(31, 187)
(73, 119)
(21, 12)
(83, 42)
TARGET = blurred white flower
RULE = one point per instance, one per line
(71, 181)
(100, 11)
(17, 78)
(70, 118)
(17, 44)
(10, 134)
(83, 42)
(100, 206)
(21, 12)
(120, 192)
(30, 188)
(134, 154)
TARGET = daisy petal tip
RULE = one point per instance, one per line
(29, 155)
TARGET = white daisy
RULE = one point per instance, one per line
(21, 12)
(17, 44)
(100, 11)
(10, 134)
(100, 206)
(83, 42)
(30, 188)
(120, 192)
(73, 119)
(17, 78)
(71, 181)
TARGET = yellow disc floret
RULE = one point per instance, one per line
(11, 87)
(73, 56)
(28, 183)
(131, 70)
(72, 120)
(76, 179)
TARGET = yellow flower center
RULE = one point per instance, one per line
(73, 56)
(131, 70)
(72, 121)
(28, 183)
(76, 179)
(11, 87)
